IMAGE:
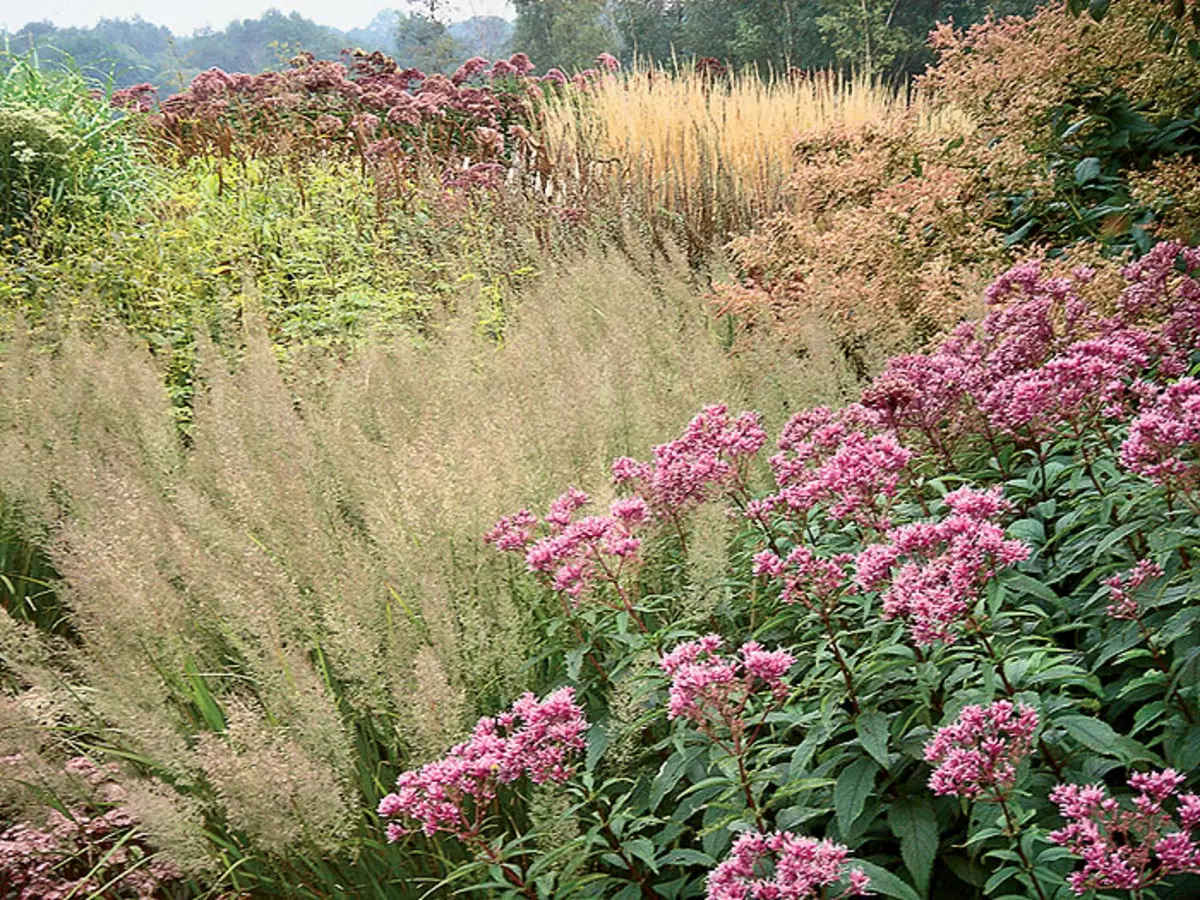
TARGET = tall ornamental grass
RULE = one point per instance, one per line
(704, 150)
(264, 624)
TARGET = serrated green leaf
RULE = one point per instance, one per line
(912, 820)
(885, 883)
(1092, 733)
(853, 787)
(872, 731)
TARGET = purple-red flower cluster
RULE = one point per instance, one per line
(785, 866)
(1122, 586)
(935, 571)
(711, 689)
(700, 464)
(576, 553)
(977, 755)
(1129, 849)
(833, 459)
(537, 738)
(1164, 440)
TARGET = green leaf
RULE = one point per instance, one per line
(1098, 9)
(912, 820)
(1087, 170)
(1021, 583)
(685, 857)
(1092, 733)
(872, 731)
(853, 787)
(884, 882)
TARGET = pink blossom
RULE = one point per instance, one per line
(1164, 439)
(711, 689)
(938, 570)
(1121, 587)
(978, 754)
(536, 739)
(808, 579)
(829, 459)
(703, 461)
(1128, 849)
(785, 866)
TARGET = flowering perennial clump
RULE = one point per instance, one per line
(576, 554)
(1129, 849)
(1164, 441)
(785, 866)
(936, 571)
(977, 755)
(703, 462)
(84, 852)
(537, 738)
(713, 690)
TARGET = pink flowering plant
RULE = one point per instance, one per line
(975, 584)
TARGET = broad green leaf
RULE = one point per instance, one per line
(1087, 170)
(685, 857)
(912, 820)
(884, 882)
(853, 787)
(872, 731)
(1092, 733)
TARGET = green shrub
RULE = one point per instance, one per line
(35, 163)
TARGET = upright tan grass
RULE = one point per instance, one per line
(250, 608)
(711, 153)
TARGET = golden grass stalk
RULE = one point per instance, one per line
(714, 153)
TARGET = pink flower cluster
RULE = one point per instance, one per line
(85, 852)
(936, 571)
(575, 554)
(1164, 440)
(368, 98)
(704, 460)
(830, 459)
(977, 755)
(1128, 849)
(1121, 587)
(808, 579)
(710, 689)
(785, 866)
(537, 738)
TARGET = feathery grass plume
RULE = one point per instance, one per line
(270, 591)
(173, 822)
(273, 788)
(438, 707)
(715, 153)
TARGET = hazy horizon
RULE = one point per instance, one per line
(184, 19)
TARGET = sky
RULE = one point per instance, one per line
(185, 17)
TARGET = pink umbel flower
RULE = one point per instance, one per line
(977, 755)
(575, 555)
(536, 739)
(833, 460)
(713, 690)
(1164, 440)
(785, 866)
(1122, 586)
(1128, 849)
(937, 570)
(705, 461)
(809, 580)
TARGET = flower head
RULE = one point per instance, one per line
(978, 754)
(785, 866)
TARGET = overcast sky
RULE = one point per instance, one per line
(186, 17)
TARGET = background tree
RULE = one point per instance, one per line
(564, 33)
